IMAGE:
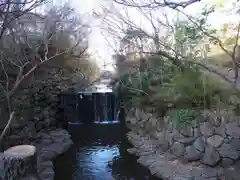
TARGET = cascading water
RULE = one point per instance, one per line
(105, 107)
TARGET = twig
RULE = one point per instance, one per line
(6, 129)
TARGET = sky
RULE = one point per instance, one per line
(97, 42)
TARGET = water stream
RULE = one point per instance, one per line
(99, 151)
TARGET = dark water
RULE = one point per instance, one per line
(99, 153)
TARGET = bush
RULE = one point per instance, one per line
(163, 86)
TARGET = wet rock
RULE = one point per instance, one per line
(206, 129)
(215, 140)
(233, 129)
(226, 151)
(178, 149)
(192, 154)
(211, 156)
(199, 144)
(49, 145)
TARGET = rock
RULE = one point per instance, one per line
(226, 151)
(28, 132)
(40, 125)
(211, 156)
(235, 144)
(182, 178)
(196, 132)
(178, 149)
(228, 139)
(133, 151)
(206, 129)
(215, 140)
(46, 141)
(47, 174)
(217, 120)
(169, 138)
(131, 120)
(138, 114)
(160, 136)
(233, 129)
(205, 115)
(182, 139)
(221, 130)
(199, 144)
(187, 131)
(226, 162)
(192, 154)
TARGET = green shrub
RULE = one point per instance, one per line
(163, 86)
(182, 117)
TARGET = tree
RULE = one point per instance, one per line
(31, 40)
(161, 30)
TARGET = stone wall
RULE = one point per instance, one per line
(37, 106)
(208, 148)
(37, 121)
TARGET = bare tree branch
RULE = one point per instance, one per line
(6, 129)
(155, 3)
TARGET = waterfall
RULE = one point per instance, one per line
(105, 107)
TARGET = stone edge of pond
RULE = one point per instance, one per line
(164, 166)
(49, 145)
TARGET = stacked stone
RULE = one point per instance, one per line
(212, 142)
(37, 107)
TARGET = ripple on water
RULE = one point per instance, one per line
(93, 162)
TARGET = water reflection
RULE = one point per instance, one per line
(93, 162)
(107, 122)
(99, 153)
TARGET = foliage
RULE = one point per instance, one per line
(32, 40)
(177, 77)
(164, 87)
(183, 117)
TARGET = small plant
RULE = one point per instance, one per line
(186, 116)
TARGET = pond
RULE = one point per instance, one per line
(99, 152)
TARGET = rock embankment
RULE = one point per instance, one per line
(49, 145)
(206, 149)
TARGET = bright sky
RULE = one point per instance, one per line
(98, 43)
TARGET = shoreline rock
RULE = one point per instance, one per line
(49, 145)
(197, 152)
(166, 166)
